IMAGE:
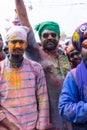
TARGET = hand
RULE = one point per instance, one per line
(9, 125)
(13, 127)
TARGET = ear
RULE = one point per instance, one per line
(26, 44)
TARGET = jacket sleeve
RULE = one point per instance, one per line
(70, 107)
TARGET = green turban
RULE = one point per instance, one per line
(48, 25)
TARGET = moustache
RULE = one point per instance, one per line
(51, 40)
(18, 50)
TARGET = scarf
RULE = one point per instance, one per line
(81, 75)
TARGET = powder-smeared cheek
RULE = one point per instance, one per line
(23, 46)
(11, 46)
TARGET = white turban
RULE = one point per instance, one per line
(17, 33)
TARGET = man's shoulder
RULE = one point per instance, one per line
(61, 51)
(32, 62)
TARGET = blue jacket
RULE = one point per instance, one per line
(70, 106)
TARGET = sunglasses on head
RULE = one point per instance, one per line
(84, 45)
(46, 35)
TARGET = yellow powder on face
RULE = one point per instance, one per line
(17, 45)
(10, 46)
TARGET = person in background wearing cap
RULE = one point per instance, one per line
(16, 21)
(74, 56)
(24, 101)
(2, 54)
(54, 61)
(73, 98)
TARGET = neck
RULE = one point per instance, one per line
(53, 52)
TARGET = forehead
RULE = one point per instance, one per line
(74, 52)
(47, 31)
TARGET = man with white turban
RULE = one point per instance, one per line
(23, 92)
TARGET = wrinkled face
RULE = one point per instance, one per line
(49, 40)
(17, 47)
(75, 57)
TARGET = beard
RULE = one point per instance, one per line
(18, 51)
(16, 57)
(50, 44)
(15, 60)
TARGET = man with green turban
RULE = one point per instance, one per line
(53, 60)
(49, 34)
(48, 25)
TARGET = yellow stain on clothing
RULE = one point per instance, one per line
(15, 79)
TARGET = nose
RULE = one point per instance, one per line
(75, 56)
(49, 37)
(17, 45)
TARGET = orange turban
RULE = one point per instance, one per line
(69, 49)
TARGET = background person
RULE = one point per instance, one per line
(73, 55)
(2, 54)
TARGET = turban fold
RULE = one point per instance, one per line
(79, 35)
(48, 25)
(17, 33)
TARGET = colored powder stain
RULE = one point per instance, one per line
(76, 37)
(10, 45)
(15, 78)
(15, 82)
(6, 75)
